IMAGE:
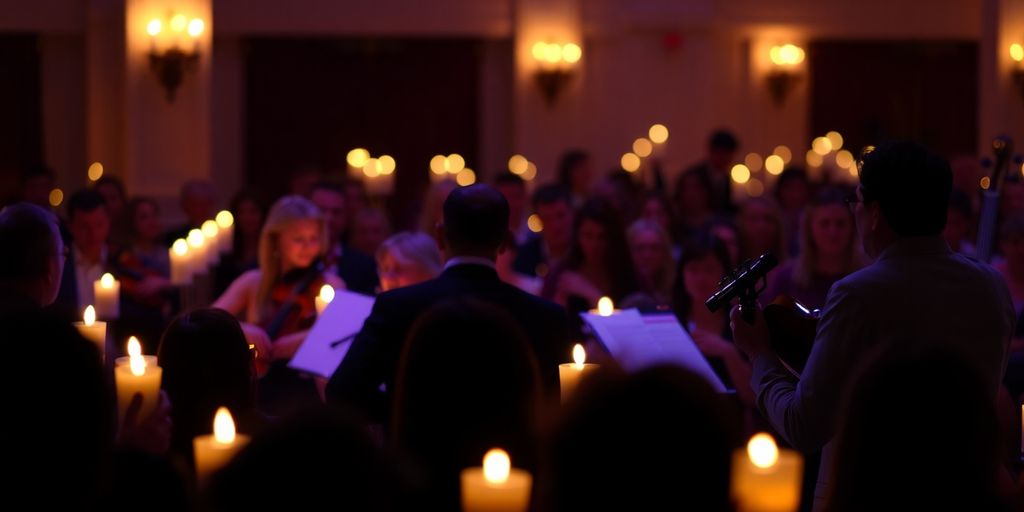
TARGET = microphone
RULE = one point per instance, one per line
(743, 283)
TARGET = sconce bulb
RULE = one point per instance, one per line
(1017, 52)
(538, 50)
(196, 27)
(553, 53)
(179, 22)
(572, 53)
(154, 27)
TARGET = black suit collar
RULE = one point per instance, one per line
(470, 271)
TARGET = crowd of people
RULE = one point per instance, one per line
(916, 369)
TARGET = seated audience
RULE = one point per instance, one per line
(545, 250)
(652, 253)
(406, 259)
(355, 267)
(248, 211)
(198, 205)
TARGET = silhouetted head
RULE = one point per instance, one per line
(32, 259)
(475, 222)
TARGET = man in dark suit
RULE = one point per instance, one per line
(473, 233)
(358, 270)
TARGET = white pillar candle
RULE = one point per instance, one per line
(180, 271)
(93, 331)
(497, 486)
(108, 297)
(210, 233)
(197, 252)
(764, 478)
(324, 298)
(605, 307)
(570, 374)
(226, 224)
(138, 376)
(134, 350)
(214, 451)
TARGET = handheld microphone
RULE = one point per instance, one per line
(742, 283)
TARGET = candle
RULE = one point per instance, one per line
(605, 307)
(180, 271)
(764, 478)
(497, 486)
(214, 451)
(108, 297)
(140, 375)
(226, 224)
(210, 232)
(197, 252)
(570, 374)
(92, 330)
(325, 298)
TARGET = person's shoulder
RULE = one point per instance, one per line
(249, 278)
(531, 301)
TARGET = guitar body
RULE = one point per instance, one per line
(792, 327)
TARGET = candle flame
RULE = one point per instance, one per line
(763, 451)
(195, 238)
(210, 229)
(89, 316)
(605, 306)
(225, 219)
(107, 281)
(223, 426)
(180, 247)
(137, 364)
(134, 347)
(496, 466)
(327, 293)
(579, 356)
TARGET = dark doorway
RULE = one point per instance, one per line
(20, 113)
(921, 90)
(309, 101)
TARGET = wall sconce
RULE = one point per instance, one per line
(783, 77)
(555, 66)
(167, 58)
(1017, 54)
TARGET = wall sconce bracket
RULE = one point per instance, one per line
(170, 67)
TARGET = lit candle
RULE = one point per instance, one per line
(605, 307)
(180, 271)
(214, 451)
(570, 374)
(197, 252)
(210, 233)
(325, 298)
(497, 486)
(108, 297)
(138, 376)
(764, 478)
(134, 350)
(226, 224)
(92, 330)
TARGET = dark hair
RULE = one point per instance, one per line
(507, 178)
(960, 202)
(132, 209)
(550, 194)
(910, 184)
(724, 140)
(28, 234)
(441, 424)
(85, 201)
(900, 408)
(475, 218)
(329, 186)
(618, 260)
(111, 181)
(570, 160)
(699, 247)
(618, 447)
(206, 364)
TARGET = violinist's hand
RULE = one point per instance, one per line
(259, 340)
(753, 339)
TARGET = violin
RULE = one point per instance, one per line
(293, 301)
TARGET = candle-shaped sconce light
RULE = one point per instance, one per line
(214, 451)
(93, 330)
(108, 297)
(324, 298)
(765, 478)
(169, 57)
(496, 486)
(140, 375)
(226, 225)
(570, 374)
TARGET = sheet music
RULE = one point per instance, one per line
(638, 342)
(341, 321)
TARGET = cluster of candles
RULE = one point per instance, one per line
(202, 248)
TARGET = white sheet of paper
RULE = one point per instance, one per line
(638, 342)
(343, 318)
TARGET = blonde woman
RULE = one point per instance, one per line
(406, 259)
(275, 302)
(829, 251)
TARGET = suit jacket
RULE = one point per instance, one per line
(359, 271)
(373, 358)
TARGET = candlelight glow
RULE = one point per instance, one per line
(154, 27)
(763, 451)
(579, 356)
(456, 163)
(107, 281)
(786, 55)
(753, 162)
(642, 147)
(465, 177)
(538, 50)
(658, 134)
(518, 164)
(630, 162)
(223, 426)
(180, 247)
(784, 152)
(813, 159)
(387, 164)
(327, 293)
(89, 316)
(56, 197)
(1017, 52)
(357, 157)
(438, 164)
(225, 219)
(605, 306)
(985, 182)
(134, 347)
(210, 229)
(196, 27)
(553, 53)
(195, 238)
(95, 171)
(572, 53)
(372, 168)
(836, 139)
(740, 174)
(774, 164)
(137, 365)
(497, 466)
(179, 22)
(844, 159)
(531, 171)
(822, 146)
(534, 223)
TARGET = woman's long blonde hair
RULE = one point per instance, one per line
(285, 211)
(853, 258)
